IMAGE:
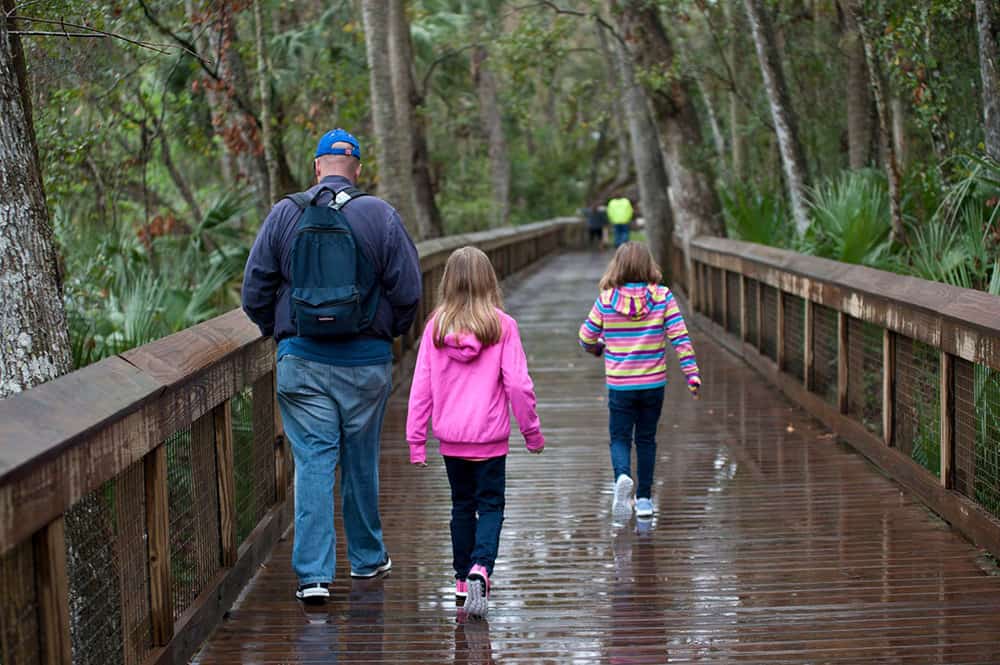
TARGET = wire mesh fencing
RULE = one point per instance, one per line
(977, 434)
(794, 337)
(769, 322)
(917, 413)
(193, 496)
(92, 566)
(825, 349)
(242, 408)
(733, 302)
(717, 303)
(864, 373)
(19, 607)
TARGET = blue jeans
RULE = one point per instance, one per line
(334, 415)
(476, 487)
(621, 234)
(638, 412)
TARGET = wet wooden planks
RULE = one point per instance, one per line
(772, 542)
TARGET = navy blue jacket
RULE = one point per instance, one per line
(377, 230)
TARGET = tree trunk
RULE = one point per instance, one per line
(34, 343)
(652, 175)
(988, 23)
(392, 146)
(737, 110)
(884, 125)
(786, 127)
(411, 126)
(489, 112)
(713, 123)
(859, 102)
(266, 105)
(898, 112)
(693, 199)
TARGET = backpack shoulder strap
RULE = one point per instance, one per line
(345, 196)
(301, 199)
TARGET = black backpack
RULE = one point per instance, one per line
(334, 290)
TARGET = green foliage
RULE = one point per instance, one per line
(850, 216)
(755, 215)
(122, 292)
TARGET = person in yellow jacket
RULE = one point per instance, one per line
(620, 216)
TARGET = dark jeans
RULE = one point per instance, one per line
(635, 412)
(621, 234)
(595, 235)
(476, 488)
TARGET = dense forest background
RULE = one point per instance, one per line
(862, 130)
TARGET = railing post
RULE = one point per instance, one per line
(724, 296)
(158, 529)
(947, 420)
(760, 316)
(710, 284)
(780, 332)
(223, 418)
(692, 287)
(744, 334)
(807, 352)
(842, 356)
(888, 386)
(52, 587)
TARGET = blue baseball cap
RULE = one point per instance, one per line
(326, 143)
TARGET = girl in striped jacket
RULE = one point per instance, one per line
(632, 319)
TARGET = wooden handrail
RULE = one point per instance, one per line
(963, 322)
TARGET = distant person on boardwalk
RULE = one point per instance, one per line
(629, 324)
(470, 370)
(597, 219)
(620, 215)
(333, 277)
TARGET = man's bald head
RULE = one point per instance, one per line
(342, 165)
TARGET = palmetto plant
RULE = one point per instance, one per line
(754, 215)
(851, 220)
(123, 293)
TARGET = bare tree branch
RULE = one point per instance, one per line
(572, 12)
(441, 58)
(91, 32)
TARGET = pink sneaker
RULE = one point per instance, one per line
(461, 591)
(477, 602)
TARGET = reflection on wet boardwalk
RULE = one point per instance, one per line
(772, 543)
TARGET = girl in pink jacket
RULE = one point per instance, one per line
(471, 369)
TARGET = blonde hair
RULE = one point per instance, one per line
(469, 298)
(631, 263)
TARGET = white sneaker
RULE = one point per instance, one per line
(643, 507)
(621, 509)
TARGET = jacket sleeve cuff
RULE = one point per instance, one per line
(418, 452)
(534, 441)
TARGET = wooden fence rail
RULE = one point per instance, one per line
(905, 370)
(139, 494)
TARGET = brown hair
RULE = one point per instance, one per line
(469, 298)
(631, 263)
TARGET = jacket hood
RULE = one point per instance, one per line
(634, 300)
(463, 347)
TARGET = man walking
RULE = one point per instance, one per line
(620, 215)
(333, 277)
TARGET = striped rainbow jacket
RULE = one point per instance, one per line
(635, 321)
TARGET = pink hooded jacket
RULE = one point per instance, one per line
(465, 389)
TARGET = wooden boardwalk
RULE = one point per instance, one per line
(772, 542)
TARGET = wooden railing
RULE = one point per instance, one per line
(138, 495)
(905, 370)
